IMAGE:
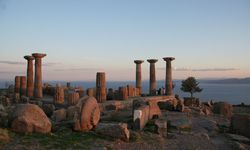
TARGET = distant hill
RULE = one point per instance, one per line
(229, 81)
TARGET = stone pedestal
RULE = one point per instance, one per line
(17, 84)
(59, 95)
(30, 81)
(168, 81)
(152, 77)
(138, 75)
(38, 90)
(101, 94)
(23, 86)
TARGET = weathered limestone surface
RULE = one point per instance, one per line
(17, 84)
(59, 115)
(87, 115)
(28, 118)
(223, 108)
(101, 94)
(30, 81)
(23, 86)
(38, 90)
(90, 92)
(240, 123)
(114, 130)
(141, 117)
(168, 80)
(152, 77)
(59, 95)
(138, 75)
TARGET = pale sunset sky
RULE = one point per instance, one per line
(208, 38)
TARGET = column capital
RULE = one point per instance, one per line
(28, 57)
(152, 60)
(138, 61)
(38, 55)
(168, 58)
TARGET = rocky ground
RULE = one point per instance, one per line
(190, 129)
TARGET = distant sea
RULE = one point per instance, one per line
(232, 93)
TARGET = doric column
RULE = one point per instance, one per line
(17, 84)
(123, 93)
(168, 80)
(138, 75)
(23, 86)
(59, 95)
(30, 81)
(38, 90)
(152, 77)
(101, 94)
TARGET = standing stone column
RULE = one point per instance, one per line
(59, 94)
(38, 91)
(123, 93)
(168, 80)
(101, 94)
(23, 86)
(30, 81)
(152, 77)
(138, 75)
(17, 84)
(73, 98)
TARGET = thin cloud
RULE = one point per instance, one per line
(48, 64)
(11, 72)
(11, 62)
(79, 69)
(216, 69)
(206, 69)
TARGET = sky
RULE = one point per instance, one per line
(208, 38)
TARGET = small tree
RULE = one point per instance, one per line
(190, 85)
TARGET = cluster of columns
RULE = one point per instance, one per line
(152, 76)
(27, 84)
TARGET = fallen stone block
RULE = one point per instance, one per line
(141, 117)
(114, 130)
(89, 114)
(48, 109)
(28, 118)
(240, 124)
(59, 115)
(154, 110)
(224, 109)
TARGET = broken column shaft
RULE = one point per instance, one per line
(101, 95)
(168, 80)
(23, 85)
(138, 75)
(38, 91)
(30, 81)
(152, 77)
(17, 84)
